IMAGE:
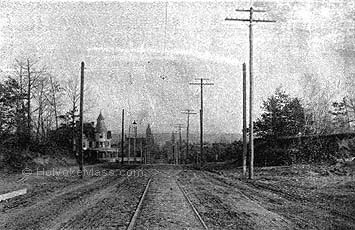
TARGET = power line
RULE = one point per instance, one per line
(251, 20)
(201, 84)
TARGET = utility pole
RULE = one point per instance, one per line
(173, 144)
(145, 155)
(122, 138)
(129, 144)
(251, 93)
(135, 141)
(141, 151)
(81, 121)
(245, 147)
(179, 126)
(201, 84)
(188, 112)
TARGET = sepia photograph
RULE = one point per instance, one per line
(168, 114)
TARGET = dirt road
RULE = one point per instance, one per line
(278, 198)
(98, 202)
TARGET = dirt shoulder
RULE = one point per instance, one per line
(295, 197)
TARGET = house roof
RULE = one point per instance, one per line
(100, 117)
(100, 124)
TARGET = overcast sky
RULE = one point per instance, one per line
(128, 46)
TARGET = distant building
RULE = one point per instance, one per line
(151, 148)
(97, 137)
(149, 136)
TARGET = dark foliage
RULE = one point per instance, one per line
(283, 116)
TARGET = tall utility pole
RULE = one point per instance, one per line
(188, 112)
(179, 126)
(122, 138)
(81, 120)
(201, 84)
(245, 147)
(251, 93)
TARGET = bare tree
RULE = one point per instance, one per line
(72, 93)
(29, 74)
(317, 103)
(55, 90)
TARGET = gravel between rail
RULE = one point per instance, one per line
(165, 206)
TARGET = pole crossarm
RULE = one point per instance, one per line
(248, 20)
(248, 10)
(188, 111)
(193, 83)
(178, 126)
(201, 78)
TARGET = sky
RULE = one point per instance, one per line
(141, 56)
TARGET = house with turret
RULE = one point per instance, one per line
(97, 137)
(97, 143)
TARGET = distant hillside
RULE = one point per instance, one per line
(116, 137)
(161, 138)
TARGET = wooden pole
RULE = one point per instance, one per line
(188, 112)
(81, 120)
(201, 83)
(122, 138)
(129, 144)
(187, 137)
(201, 127)
(251, 21)
(251, 97)
(180, 145)
(141, 151)
(135, 143)
(245, 147)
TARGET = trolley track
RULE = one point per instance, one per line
(165, 204)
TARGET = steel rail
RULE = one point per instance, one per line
(192, 206)
(139, 207)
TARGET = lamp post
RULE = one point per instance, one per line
(135, 139)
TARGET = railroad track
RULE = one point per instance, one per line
(139, 217)
(192, 206)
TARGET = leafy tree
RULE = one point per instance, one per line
(343, 115)
(283, 116)
(340, 116)
(8, 105)
(12, 113)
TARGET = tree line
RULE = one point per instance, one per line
(36, 109)
(289, 130)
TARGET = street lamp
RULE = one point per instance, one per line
(135, 139)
